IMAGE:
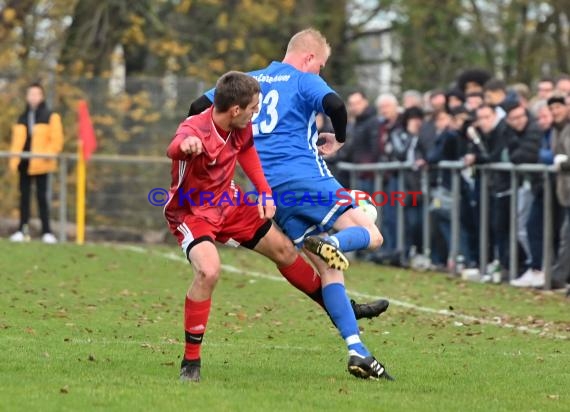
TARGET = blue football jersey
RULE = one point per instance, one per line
(285, 130)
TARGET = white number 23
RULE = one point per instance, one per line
(269, 104)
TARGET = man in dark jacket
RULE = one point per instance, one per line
(561, 150)
(491, 149)
(534, 226)
(524, 142)
(516, 142)
(362, 146)
(524, 137)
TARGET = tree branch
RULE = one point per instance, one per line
(373, 13)
(486, 46)
(373, 32)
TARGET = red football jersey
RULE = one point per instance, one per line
(203, 184)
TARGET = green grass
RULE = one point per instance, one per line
(99, 328)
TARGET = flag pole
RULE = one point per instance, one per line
(87, 143)
(80, 195)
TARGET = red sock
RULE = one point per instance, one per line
(302, 275)
(195, 321)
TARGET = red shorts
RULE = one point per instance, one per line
(233, 225)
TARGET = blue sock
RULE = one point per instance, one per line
(352, 238)
(339, 308)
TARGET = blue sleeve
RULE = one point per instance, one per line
(210, 94)
(546, 156)
(313, 89)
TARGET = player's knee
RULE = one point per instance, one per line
(376, 238)
(284, 253)
(208, 275)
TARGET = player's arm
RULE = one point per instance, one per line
(199, 105)
(251, 165)
(184, 144)
(330, 143)
(335, 109)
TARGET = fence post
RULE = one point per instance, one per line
(401, 237)
(378, 187)
(426, 232)
(483, 221)
(547, 232)
(513, 238)
(455, 226)
(62, 198)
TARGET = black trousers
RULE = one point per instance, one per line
(500, 224)
(41, 182)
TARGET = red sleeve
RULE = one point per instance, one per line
(173, 151)
(249, 161)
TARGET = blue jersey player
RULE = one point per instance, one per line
(286, 136)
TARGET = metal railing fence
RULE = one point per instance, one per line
(155, 172)
(455, 167)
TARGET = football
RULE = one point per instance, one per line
(363, 201)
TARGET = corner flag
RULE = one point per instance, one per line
(86, 146)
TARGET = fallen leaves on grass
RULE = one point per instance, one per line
(64, 390)
(62, 313)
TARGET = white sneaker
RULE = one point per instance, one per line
(17, 237)
(492, 267)
(538, 279)
(526, 280)
(49, 238)
(493, 273)
(472, 275)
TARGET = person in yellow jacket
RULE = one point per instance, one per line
(39, 131)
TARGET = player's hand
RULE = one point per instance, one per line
(191, 145)
(266, 206)
(330, 145)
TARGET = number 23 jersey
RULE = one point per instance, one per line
(285, 130)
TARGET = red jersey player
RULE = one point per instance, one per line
(204, 153)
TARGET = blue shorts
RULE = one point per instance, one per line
(306, 208)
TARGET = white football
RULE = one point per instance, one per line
(365, 205)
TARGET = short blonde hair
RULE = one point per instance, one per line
(309, 40)
(522, 90)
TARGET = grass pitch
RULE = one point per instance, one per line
(99, 327)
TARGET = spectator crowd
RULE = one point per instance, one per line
(481, 119)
